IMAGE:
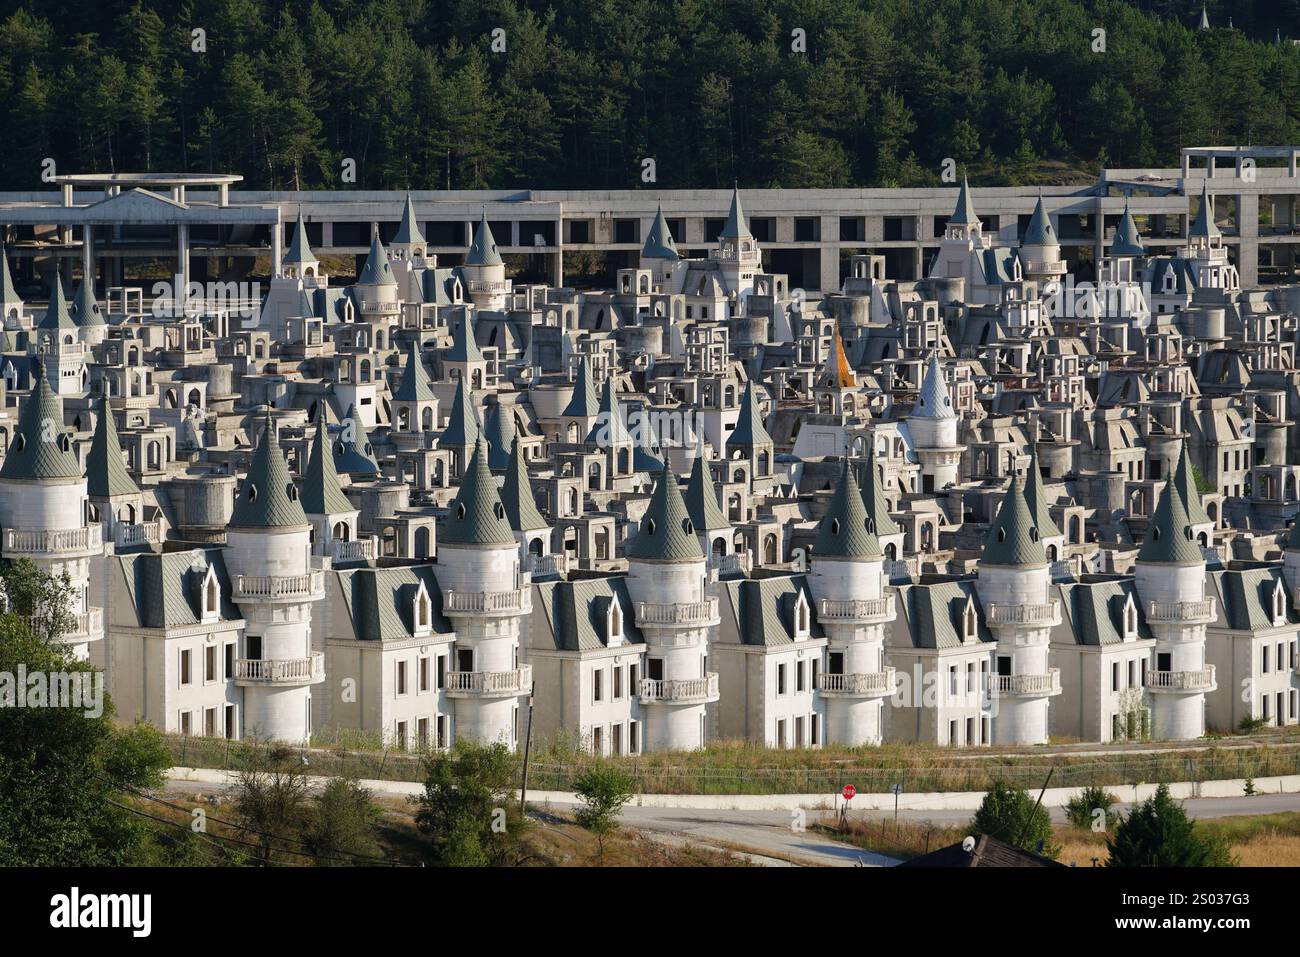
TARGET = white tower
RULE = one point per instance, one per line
(854, 607)
(486, 594)
(1013, 588)
(484, 270)
(666, 579)
(274, 582)
(933, 427)
(1040, 250)
(659, 252)
(738, 256)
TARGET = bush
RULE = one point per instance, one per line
(604, 790)
(468, 810)
(1249, 725)
(271, 802)
(1010, 815)
(341, 824)
(1081, 810)
(1160, 834)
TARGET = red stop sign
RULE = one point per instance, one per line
(848, 792)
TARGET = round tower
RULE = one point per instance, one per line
(484, 270)
(274, 582)
(667, 581)
(1013, 585)
(1040, 250)
(333, 517)
(854, 606)
(486, 594)
(933, 427)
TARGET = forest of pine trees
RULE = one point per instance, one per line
(586, 89)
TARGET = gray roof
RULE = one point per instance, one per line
(299, 248)
(1246, 597)
(415, 379)
(322, 491)
(749, 430)
(85, 310)
(930, 613)
(933, 402)
(483, 251)
(34, 454)
(353, 452)
(873, 495)
(735, 227)
(166, 588)
(764, 609)
(1094, 610)
(517, 494)
(577, 610)
(8, 293)
(702, 497)
(583, 404)
(610, 428)
(268, 498)
(1185, 482)
(1040, 231)
(1036, 498)
(408, 231)
(1204, 226)
(377, 270)
(964, 213)
(462, 425)
(500, 433)
(666, 533)
(106, 473)
(380, 601)
(1169, 536)
(659, 241)
(1127, 242)
(464, 347)
(57, 316)
(846, 530)
(477, 516)
(1013, 536)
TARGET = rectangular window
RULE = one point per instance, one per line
(816, 670)
(442, 729)
(230, 720)
(632, 743)
(1114, 676)
(422, 731)
(798, 732)
(442, 672)
(597, 740)
(952, 734)
(798, 676)
(780, 733)
(185, 722)
(210, 663)
(598, 685)
(210, 722)
(816, 730)
(230, 661)
(1132, 675)
(424, 675)
(616, 738)
(399, 736)
(618, 682)
(780, 679)
(401, 677)
(1263, 655)
(633, 688)
(186, 676)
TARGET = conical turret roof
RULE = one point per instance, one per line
(353, 453)
(735, 227)
(1185, 481)
(609, 429)
(499, 429)
(414, 386)
(299, 248)
(58, 317)
(464, 347)
(477, 515)
(1169, 536)
(1128, 241)
(483, 251)
(1014, 539)
(666, 533)
(8, 293)
(1036, 497)
(846, 530)
(462, 425)
(517, 494)
(659, 241)
(377, 270)
(1204, 226)
(408, 230)
(1040, 231)
(933, 401)
(964, 213)
(106, 473)
(873, 495)
(322, 489)
(583, 404)
(41, 448)
(749, 430)
(86, 312)
(268, 498)
(702, 497)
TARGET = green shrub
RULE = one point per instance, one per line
(1081, 810)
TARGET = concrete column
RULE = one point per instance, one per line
(558, 265)
(88, 254)
(182, 264)
(277, 248)
(1248, 233)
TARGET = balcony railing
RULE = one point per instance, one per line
(680, 690)
(557, 564)
(281, 670)
(1045, 684)
(489, 286)
(489, 683)
(279, 587)
(515, 601)
(1200, 680)
(61, 541)
(868, 609)
(691, 613)
(140, 533)
(1045, 614)
(86, 625)
(362, 549)
(737, 564)
(1186, 612)
(862, 683)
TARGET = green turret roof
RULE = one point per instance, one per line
(1185, 481)
(86, 312)
(1204, 227)
(610, 429)
(477, 515)
(483, 251)
(299, 249)
(41, 448)
(749, 430)
(1128, 241)
(1040, 231)
(846, 530)
(1036, 497)
(1013, 537)
(933, 401)
(408, 230)
(57, 316)
(666, 533)
(415, 379)
(583, 404)
(735, 226)
(268, 498)
(500, 433)
(1169, 536)
(106, 473)
(702, 497)
(377, 271)
(322, 490)
(462, 426)
(353, 452)
(659, 241)
(964, 214)
(517, 494)
(873, 495)
(464, 347)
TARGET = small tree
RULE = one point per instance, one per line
(1082, 809)
(1158, 833)
(43, 601)
(467, 808)
(341, 822)
(604, 790)
(271, 799)
(1011, 815)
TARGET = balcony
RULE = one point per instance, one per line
(1181, 612)
(85, 626)
(680, 690)
(1044, 615)
(513, 602)
(1026, 685)
(868, 684)
(557, 564)
(286, 588)
(490, 684)
(691, 614)
(496, 287)
(865, 611)
(1200, 680)
(66, 541)
(738, 564)
(140, 533)
(280, 671)
(358, 551)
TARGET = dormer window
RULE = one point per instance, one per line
(614, 624)
(210, 595)
(969, 622)
(1130, 619)
(422, 611)
(1279, 604)
(802, 617)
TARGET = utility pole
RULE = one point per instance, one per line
(528, 745)
(1037, 804)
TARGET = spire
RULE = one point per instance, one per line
(462, 426)
(408, 231)
(1169, 536)
(322, 490)
(842, 372)
(1013, 537)
(1205, 18)
(1036, 497)
(483, 251)
(1127, 242)
(41, 448)
(353, 452)
(666, 533)
(735, 226)
(583, 404)
(106, 473)
(415, 380)
(464, 347)
(299, 253)
(846, 530)
(702, 497)
(1205, 227)
(1185, 482)
(659, 241)
(873, 495)
(609, 429)
(86, 311)
(1040, 231)
(477, 515)
(57, 317)
(501, 438)
(934, 401)
(749, 430)
(517, 493)
(268, 498)
(7, 291)
(964, 214)
(378, 271)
